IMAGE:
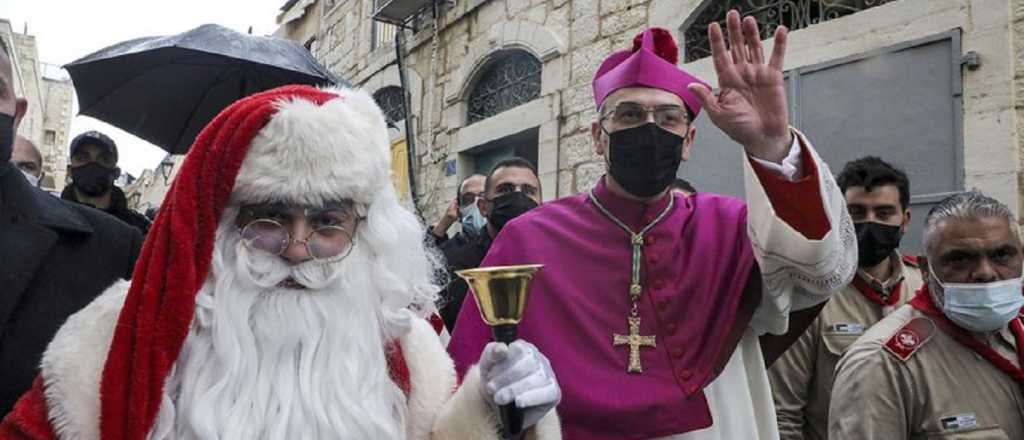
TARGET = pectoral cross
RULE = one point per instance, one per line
(636, 240)
(635, 341)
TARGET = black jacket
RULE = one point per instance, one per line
(55, 257)
(464, 254)
(118, 207)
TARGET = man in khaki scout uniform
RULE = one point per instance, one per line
(878, 198)
(948, 364)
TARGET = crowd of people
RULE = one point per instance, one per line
(283, 291)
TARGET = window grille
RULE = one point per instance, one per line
(509, 80)
(770, 14)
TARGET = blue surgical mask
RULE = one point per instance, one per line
(472, 220)
(982, 307)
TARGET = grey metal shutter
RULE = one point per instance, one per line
(901, 103)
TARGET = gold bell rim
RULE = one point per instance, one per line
(501, 271)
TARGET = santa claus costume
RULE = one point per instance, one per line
(205, 342)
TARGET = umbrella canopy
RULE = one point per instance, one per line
(166, 89)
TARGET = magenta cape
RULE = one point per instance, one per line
(696, 264)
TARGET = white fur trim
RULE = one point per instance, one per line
(73, 365)
(548, 428)
(431, 376)
(310, 153)
(468, 417)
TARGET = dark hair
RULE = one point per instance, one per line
(682, 184)
(514, 162)
(870, 172)
(458, 190)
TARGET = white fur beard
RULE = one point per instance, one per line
(262, 362)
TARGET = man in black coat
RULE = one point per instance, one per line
(93, 169)
(55, 257)
(465, 209)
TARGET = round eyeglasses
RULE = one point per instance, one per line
(331, 234)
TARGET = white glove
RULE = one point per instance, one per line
(519, 372)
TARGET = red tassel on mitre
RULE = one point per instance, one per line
(664, 44)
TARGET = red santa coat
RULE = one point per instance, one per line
(64, 403)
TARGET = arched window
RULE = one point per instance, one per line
(511, 78)
(392, 101)
(769, 14)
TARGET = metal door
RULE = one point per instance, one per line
(901, 103)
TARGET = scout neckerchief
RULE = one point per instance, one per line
(874, 296)
(923, 302)
(634, 340)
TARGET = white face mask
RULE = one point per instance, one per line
(31, 179)
(982, 307)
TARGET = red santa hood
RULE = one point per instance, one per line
(294, 144)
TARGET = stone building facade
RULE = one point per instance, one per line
(149, 189)
(568, 39)
(50, 95)
(27, 70)
(935, 86)
(59, 96)
(299, 20)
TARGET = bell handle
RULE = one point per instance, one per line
(511, 416)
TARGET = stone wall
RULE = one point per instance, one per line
(149, 189)
(441, 78)
(49, 104)
(1018, 96)
(572, 37)
(991, 156)
(300, 29)
(59, 96)
(28, 66)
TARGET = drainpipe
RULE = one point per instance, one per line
(410, 137)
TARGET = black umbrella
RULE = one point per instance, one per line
(166, 89)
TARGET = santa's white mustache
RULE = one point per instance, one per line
(267, 271)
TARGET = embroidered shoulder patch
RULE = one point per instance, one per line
(911, 337)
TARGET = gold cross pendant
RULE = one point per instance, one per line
(635, 341)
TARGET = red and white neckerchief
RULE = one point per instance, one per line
(923, 301)
(888, 303)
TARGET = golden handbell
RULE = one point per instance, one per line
(501, 294)
(501, 291)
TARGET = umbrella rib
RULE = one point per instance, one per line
(202, 63)
(97, 101)
(143, 73)
(224, 75)
(235, 66)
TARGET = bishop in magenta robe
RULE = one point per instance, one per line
(660, 313)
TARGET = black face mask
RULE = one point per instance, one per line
(644, 159)
(6, 138)
(508, 206)
(93, 179)
(875, 242)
